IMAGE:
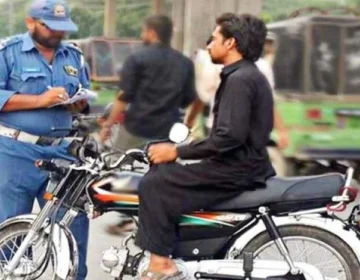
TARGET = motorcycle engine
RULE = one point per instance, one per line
(114, 261)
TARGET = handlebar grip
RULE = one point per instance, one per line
(75, 148)
(140, 157)
(47, 166)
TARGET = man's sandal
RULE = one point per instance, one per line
(151, 275)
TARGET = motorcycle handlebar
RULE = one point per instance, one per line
(81, 150)
(50, 166)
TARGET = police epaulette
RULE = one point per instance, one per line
(75, 47)
(8, 41)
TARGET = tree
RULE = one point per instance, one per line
(84, 21)
(279, 11)
(354, 3)
(130, 19)
(266, 17)
(89, 14)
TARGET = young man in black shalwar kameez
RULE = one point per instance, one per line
(234, 156)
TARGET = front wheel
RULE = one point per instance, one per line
(322, 249)
(39, 261)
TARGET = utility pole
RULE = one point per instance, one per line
(159, 6)
(109, 18)
(156, 7)
(178, 15)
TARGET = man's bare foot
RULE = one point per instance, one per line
(162, 264)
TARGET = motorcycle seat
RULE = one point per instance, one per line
(292, 189)
(277, 190)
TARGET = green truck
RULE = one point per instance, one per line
(317, 76)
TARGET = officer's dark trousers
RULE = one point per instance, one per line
(169, 190)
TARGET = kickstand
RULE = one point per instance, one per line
(248, 265)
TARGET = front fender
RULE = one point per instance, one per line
(64, 243)
(332, 226)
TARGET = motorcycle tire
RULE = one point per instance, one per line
(349, 259)
(18, 229)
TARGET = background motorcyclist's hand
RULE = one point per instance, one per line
(283, 141)
(105, 132)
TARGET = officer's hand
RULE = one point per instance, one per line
(162, 153)
(53, 96)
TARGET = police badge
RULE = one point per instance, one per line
(71, 70)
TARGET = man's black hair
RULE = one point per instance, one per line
(163, 27)
(248, 31)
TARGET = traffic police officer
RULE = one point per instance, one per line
(37, 71)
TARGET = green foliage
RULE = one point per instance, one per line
(281, 9)
(354, 3)
(129, 20)
(85, 21)
(130, 14)
(266, 17)
(89, 14)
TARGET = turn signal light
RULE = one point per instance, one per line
(48, 196)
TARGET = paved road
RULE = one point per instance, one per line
(98, 242)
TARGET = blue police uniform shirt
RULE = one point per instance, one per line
(23, 70)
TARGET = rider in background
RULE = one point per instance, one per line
(156, 83)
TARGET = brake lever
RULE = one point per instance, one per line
(140, 157)
(50, 167)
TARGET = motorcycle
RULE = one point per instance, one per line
(304, 228)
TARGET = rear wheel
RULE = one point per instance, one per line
(331, 255)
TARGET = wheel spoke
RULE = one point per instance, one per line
(308, 250)
(303, 253)
(32, 258)
(4, 255)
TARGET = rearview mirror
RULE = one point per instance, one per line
(179, 133)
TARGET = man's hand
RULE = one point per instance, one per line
(279, 126)
(193, 112)
(52, 97)
(105, 132)
(190, 123)
(162, 153)
(283, 140)
(77, 107)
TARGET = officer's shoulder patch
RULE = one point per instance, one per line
(74, 46)
(8, 41)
